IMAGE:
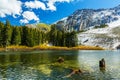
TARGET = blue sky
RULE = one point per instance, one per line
(46, 11)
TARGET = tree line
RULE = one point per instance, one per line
(23, 35)
(62, 38)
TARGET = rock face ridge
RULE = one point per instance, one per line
(85, 18)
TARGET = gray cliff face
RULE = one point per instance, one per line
(85, 18)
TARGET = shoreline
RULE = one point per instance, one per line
(25, 48)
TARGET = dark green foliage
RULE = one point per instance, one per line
(16, 37)
(32, 37)
(10, 35)
(1, 33)
(101, 26)
(71, 39)
(61, 38)
(74, 39)
(7, 31)
(24, 36)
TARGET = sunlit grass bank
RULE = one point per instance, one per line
(87, 48)
(68, 48)
(2, 49)
(44, 47)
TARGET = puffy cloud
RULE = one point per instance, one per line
(10, 7)
(22, 21)
(28, 16)
(51, 3)
(35, 4)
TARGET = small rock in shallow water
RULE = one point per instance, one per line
(60, 60)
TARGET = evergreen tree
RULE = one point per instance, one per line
(53, 35)
(21, 33)
(40, 38)
(67, 39)
(74, 39)
(59, 38)
(1, 33)
(7, 34)
(35, 37)
(24, 34)
(10, 35)
(30, 38)
(16, 37)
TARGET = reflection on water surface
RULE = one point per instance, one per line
(43, 65)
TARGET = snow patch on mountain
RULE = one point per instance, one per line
(99, 15)
(108, 38)
(114, 24)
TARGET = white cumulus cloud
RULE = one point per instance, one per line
(35, 4)
(28, 16)
(47, 5)
(10, 7)
(22, 21)
(51, 4)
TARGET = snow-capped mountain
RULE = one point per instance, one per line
(86, 18)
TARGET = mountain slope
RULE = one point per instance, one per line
(40, 26)
(86, 18)
(108, 37)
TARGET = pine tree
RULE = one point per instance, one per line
(24, 34)
(16, 37)
(53, 35)
(30, 38)
(1, 33)
(74, 39)
(7, 34)
(59, 38)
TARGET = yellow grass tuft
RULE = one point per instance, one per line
(2, 49)
(82, 47)
(18, 48)
(45, 47)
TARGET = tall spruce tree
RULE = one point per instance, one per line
(1, 33)
(16, 37)
(24, 35)
(7, 34)
(74, 39)
(30, 38)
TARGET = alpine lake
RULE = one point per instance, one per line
(44, 65)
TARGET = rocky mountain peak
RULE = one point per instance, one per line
(85, 18)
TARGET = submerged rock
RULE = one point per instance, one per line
(78, 71)
(60, 60)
